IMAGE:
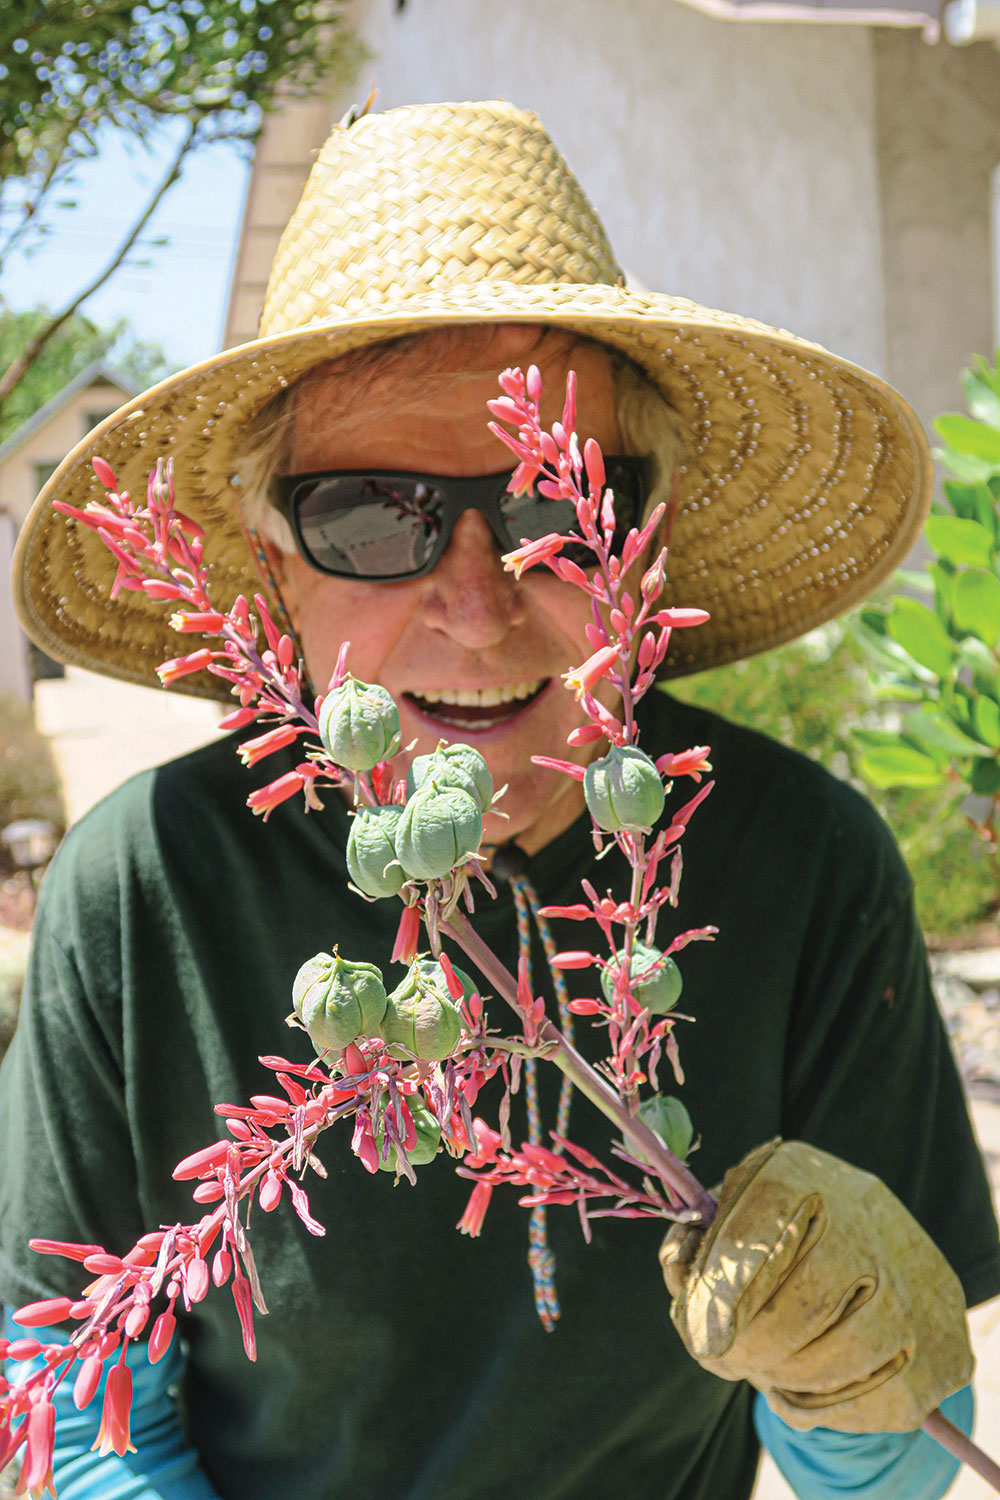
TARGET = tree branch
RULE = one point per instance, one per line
(59, 169)
(16, 371)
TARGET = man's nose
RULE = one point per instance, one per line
(468, 595)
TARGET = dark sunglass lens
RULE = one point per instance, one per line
(531, 516)
(370, 526)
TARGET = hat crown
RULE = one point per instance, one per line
(425, 197)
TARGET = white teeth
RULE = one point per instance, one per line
(490, 697)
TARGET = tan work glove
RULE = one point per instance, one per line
(817, 1286)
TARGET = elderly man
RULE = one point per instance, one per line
(433, 247)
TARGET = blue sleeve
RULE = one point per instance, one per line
(164, 1467)
(825, 1465)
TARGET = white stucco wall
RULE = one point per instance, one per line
(733, 163)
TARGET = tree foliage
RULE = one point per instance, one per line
(77, 344)
(70, 67)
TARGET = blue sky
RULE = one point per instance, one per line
(179, 297)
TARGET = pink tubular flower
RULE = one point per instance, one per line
(267, 798)
(183, 666)
(685, 763)
(113, 1435)
(36, 1474)
(568, 767)
(201, 622)
(471, 1222)
(532, 553)
(244, 1308)
(407, 936)
(590, 672)
(251, 751)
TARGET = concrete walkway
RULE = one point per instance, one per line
(102, 731)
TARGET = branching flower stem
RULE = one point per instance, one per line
(559, 1051)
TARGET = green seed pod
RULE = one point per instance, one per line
(338, 1001)
(667, 1116)
(421, 1019)
(454, 765)
(658, 991)
(428, 1137)
(438, 827)
(371, 851)
(623, 790)
(359, 725)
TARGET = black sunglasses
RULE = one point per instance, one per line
(377, 524)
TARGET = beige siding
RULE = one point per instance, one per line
(49, 444)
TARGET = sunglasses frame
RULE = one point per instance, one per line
(629, 478)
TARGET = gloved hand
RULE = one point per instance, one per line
(817, 1286)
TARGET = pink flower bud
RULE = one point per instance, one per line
(594, 461)
(196, 1279)
(136, 1321)
(87, 1381)
(159, 1339)
(201, 1162)
(105, 473)
(42, 1314)
(222, 1265)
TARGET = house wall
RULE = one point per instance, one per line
(834, 180)
(731, 163)
(50, 444)
(938, 139)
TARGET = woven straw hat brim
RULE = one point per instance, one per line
(805, 481)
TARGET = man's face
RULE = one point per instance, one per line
(467, 652)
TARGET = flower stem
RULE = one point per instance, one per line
(644, 1143)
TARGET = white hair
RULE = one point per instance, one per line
(649, 426)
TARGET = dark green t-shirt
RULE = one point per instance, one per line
(400, 1360)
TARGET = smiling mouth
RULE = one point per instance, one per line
(477, 708)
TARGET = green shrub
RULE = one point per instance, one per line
(813, 694)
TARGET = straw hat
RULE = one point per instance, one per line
(805, 481)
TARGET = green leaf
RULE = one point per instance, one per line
(942, 576)
(986, 718)
(917, 579)
(973, 470)
(981, 395)
(977, 655)
(874, 739)
(976, 605)
(985, 778)
(900, 765)
(970, 438)
(874, 620)
(920, 633)
(960, 541)
(963, 499)
(932, 731)
(884, 652)
(899, 692)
